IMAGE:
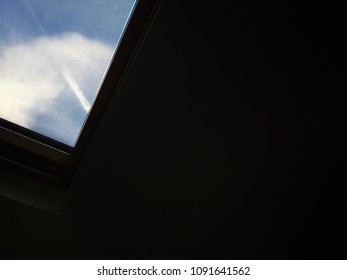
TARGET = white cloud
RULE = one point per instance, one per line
(48, 84)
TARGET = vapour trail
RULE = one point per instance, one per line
(76, 90)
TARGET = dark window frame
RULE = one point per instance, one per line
(51, 161)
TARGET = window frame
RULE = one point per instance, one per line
(54, 162)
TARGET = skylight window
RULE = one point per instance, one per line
(62, 64)
(53, 58)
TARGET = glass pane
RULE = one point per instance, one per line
(53, 56)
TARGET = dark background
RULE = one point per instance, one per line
(227, 141)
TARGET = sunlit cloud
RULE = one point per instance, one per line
(49, 83)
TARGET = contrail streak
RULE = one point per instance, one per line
(34, 17)
(76, 90)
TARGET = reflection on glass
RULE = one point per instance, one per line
(53, 56)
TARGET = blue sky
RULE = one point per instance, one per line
(53, 56)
